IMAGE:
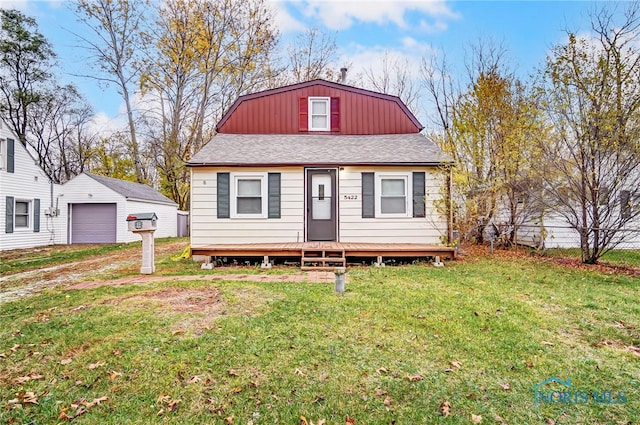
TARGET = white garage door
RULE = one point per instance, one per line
(93, 223)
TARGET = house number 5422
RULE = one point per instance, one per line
(350, 197)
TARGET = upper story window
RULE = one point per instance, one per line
(319, 114)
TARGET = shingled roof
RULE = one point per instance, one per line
(318, 149)
(131, 190)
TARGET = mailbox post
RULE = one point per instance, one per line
(145, 224)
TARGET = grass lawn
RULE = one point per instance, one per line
(404, 345)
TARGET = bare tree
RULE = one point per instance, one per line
(312, 55)
(117, 24)
(393, 76)
(593, 165)
(58, 133)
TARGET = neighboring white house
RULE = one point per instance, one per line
(96, 209)
(26, 196)
(88, 209)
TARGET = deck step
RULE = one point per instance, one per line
(317, 269)
(322, 259)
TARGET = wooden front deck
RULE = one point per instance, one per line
(319, 252)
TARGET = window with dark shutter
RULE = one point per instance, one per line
(625, 204)
(418, 194)
(8, 217)
(10, 156)
(36, 215)
(335, 114)
(274, 195)
(303, 114)
(223, 195)
(368, 195)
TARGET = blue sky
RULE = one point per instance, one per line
(364, 30)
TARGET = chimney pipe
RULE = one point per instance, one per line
(343, 77)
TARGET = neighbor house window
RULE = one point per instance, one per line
(625, 204)
(319, 114)
(393, 198)
(3, 154)
(249, 197)
(21, 220)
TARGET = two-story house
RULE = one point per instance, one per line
(318, 170)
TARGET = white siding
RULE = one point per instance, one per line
(207, 229)
(167, 218)
(84, 190)
(28, 182)
(353, 228)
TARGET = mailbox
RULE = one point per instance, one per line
(142, 222)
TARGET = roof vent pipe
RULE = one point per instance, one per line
(343, 75)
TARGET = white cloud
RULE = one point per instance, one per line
(340, 14)
(284, 21)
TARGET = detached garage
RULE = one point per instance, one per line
(96, 209)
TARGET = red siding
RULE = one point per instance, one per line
(278, 112)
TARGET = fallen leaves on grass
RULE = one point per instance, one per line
(387, 401)
(505, 386)
(166, 403)
(547, 343)
(298, 372)
(66, 361)
(114, 375)
(414, 378)
(23, 398)
(23, 379)
(79, 407)
(349, 421)
(93, 366)
(476, 419)
(445, 408)
(456, 364)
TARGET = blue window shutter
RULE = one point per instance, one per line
(11, 153)
(274, 195)
(8, 222)
(223, 195)
(418, 194)
(36, 215)
(368, 195)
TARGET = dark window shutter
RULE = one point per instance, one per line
(418, 194)
(8, 222)
(274, 195)
(335, 114)
(11, 153)
(625, 204)
(303, 114)
(368, 195)
(223, 195)
(36, 215)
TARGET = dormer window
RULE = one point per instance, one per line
(319, 118)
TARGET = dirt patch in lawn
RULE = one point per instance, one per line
(198, 308)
